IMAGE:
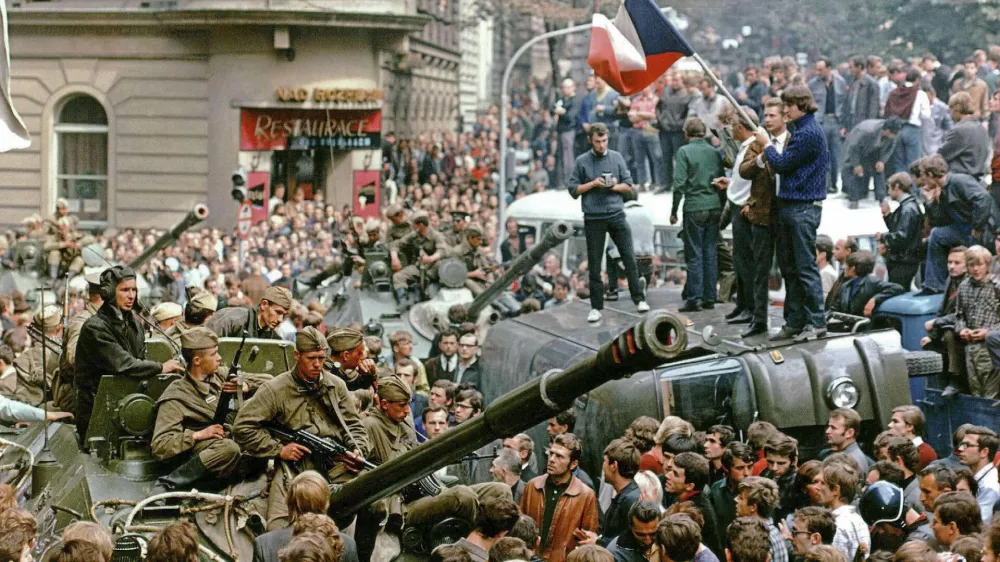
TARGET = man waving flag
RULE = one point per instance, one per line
(635, 48)
(13, 134)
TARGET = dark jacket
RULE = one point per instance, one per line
(762, 186)
(804, 164)
(672, 109)
(862, 101)
(266, 546)
(625, 548)
(567, 121)
(855, 294)
(965, 198)
(435, 371)
(615, 520)
(903, 241)
(966, 148)
(698, 163)
(817, 85)
(723, 502)
(865, 145)
(711, 534)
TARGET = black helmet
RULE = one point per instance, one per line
(882, 502)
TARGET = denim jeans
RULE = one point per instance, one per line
(795, 241)
(627, 145)
(940, 242)
(595, 231)
(742, 258)
(670, 143)
(762, 244)
(701, 233)
(646, 148)
(909, 147)
(856, 187)
(831, 127)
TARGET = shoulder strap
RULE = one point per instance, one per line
(335, 408)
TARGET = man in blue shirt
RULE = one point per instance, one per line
(802, 167)
(602, 179)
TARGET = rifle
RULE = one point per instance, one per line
(39, 337)
(235, 372)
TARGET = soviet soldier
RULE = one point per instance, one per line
(64, 247)
(455, 235)
(421, 248)
(166, 314)
(186, 410)
(32, 377)
(349, 359)
(51, 225)
(199, 308)
(230, 322)
(305, 398)
(400, 227)
(468, 251)
(63, 390)
(111, 343)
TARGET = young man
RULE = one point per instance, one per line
(824, 254)
(976, 315)
(604, 213)
(434, 421)
(841, 250)
(638, 543)
(861, 292)
(560, 503)
(842, 433)
(678, 537)
(406, 370)
(782, 455)
(468, 369)
(401, 343)
(837, 484)
(904, 455)
(977, 450)
(955, 515)
(495, 519)
(686, 480)
(230, 322)
(941, 335)
(17, 534)
(737, 461)
(747, 540)
(812, 526)
(903, 242)
(908, 421)
(621, 462)
(525, 448)
(717, 438)
(443, 366)
(698, 165)
(757, 498)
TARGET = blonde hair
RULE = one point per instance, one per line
(92, 533)
(649, 484)
(977, 254)
(672, 425)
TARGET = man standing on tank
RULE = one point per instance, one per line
(601, 177)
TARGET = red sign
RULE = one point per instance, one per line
(259, 192)
(244, 219)
(281, 129)
(367, 195)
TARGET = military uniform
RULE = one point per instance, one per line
(65, 258)
(410, 246)
(396, 231)
(63, 390)
(231, 321)
(473, 258)
(324, 408)
(177, 330)
(200, 302)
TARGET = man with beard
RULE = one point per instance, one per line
(891, 520)
(233, 321)
(638, 542)
(112, 343)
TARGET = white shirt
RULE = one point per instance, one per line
(739, 187)
(989, 490)
(921, 109)
(449, 364)
(852, 531)
(779, 142)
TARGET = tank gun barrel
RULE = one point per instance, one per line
(657, 339)
(198, 214)
(558, 233)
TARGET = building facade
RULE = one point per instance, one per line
(140, 109)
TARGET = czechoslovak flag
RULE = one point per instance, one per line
(634, 49)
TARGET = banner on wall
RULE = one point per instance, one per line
(259, 192)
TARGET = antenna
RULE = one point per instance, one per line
(46, 467)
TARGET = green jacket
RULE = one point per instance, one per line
(698, 163)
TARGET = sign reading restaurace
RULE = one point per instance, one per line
(281, 129)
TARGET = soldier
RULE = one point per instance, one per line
(455, 235)
(33, 227)
(63, 390)
(185, 413)
(166, 314)
(400, 227)
(421, 248)
(112, 343)
(350, 361)
(305, 398)
(199, 308)
(230, 322)
(468, 251)
(63, 245)
(30, 384)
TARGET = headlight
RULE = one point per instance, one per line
(843, 393)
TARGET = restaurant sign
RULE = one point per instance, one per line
(282, 129)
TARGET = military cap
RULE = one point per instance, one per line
(166, 311)
(199, 337)
(474, 229)
(393, 389)
(48, 317)
(279, 296)
(204, 301)
(94, 280)
(62, 203)
(344, 339)
(66, 221)
(459, 216)
(309, 339)
(31, 219)
(372, 225)
(420, 216)
(393, 210)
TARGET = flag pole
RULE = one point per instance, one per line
(725, 92)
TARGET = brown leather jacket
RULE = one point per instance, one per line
(577, 509)
(762, 187)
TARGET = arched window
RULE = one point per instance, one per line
(81, 148)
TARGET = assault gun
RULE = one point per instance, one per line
(235, 372)
(327, 449)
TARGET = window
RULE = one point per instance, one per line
(81, 148)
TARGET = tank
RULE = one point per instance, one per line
(195, 216)
(368, 300)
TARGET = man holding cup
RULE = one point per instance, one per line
(602, 179)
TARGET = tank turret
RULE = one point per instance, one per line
(198, 214)
(556, 235)
(657, 339)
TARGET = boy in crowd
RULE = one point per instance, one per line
(941, 335)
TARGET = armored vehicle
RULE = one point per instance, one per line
(111, 484)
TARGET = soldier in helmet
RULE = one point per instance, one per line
(199, 308)
(112, 343)
(400, 227)
(421, 248)
(64, 245)
(186, 410)
(230, 322)
(30, 381)
(305, 398)
(64, 391)
(350, 361)
(469, 252)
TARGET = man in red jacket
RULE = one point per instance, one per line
(908, 422)
(561, 505)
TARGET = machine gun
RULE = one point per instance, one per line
(235, 372)
(328, 449)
